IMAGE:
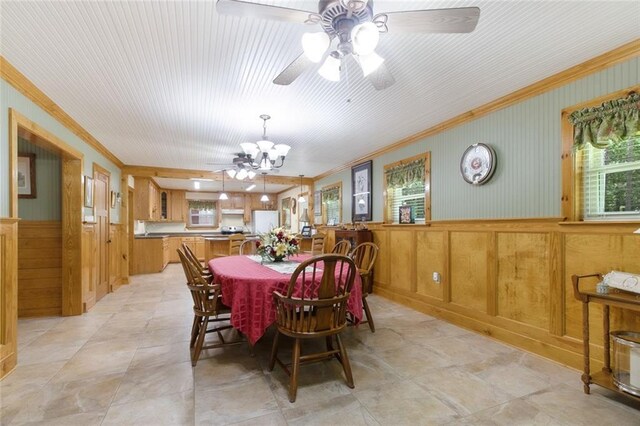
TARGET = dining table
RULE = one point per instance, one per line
(247, 285)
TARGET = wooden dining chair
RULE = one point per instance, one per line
(235, 241)
(315, 306)
(207, 308)
(191, 256)
(342, 247)
(248, 247)
(364, 256)
(317, 244)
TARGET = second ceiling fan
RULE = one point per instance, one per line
(350, 28)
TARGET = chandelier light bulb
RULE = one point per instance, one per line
(330, 69)
(315, 45)
(365, 38)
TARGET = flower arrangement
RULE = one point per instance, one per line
(277, 244)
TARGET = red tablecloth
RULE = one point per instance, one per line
(248, 286)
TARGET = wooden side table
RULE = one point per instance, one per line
(354, 237)
(614, 298)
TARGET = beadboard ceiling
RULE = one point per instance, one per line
(174, 84)
(230, 185)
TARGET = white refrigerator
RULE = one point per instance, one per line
(264, 220)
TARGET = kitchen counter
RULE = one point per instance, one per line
(143, 237)
(208, 234)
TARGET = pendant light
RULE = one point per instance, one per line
(223, 195)
(265, 197)
(301, 198)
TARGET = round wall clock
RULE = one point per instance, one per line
(478, 164)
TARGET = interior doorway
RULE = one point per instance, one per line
(101, 207)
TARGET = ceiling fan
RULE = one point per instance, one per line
(241, 167)
(350, 28)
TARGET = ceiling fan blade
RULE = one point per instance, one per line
(264, 11)
(293, 70)
(455, 20)
(381, 78)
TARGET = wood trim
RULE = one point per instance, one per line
(492, 274)
(165, 172)
(8, 295)
(572, 194)
(72, 205)
(556, 290)
(23, 85)
(599, 63)
(427, 186)
(13, 162)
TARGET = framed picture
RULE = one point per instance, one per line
(306, 231)
(26, 176)
(88, 191)
(406, 214)
(114, 196)
(361, 190)
(317, 203)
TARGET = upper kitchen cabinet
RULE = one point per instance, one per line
(178, 206)
(146, 200)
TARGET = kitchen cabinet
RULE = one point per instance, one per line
(199, 248)
(178, 206)
(175, 243)
(165, 204)
(150, 255)
(145, 206)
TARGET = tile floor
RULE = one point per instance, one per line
(127, 362)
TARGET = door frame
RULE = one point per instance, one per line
(98, 169)
(71, 202)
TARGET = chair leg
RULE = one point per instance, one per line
(295, 368)
(329, 340)
(203, 332)
(345, 362)
(367, 311)
(195, 330)
(274, 351)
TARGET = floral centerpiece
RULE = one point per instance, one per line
(277, 244)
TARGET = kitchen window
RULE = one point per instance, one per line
(202, 213)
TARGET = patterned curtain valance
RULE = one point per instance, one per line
(202, 205)
(405, 174)
(331, 194)
(609, 123)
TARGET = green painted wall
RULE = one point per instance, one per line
(528, 144)
(46, 205)
(11, 98)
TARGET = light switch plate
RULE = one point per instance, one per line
(436, 277)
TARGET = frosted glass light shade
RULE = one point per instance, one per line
(264, 145)
(242, 174)
(251, 174)
(301, 199)
(282, 149)
(330, 69)
(273, 154)
(355, 5)
(315, 45)
(223, 196)
(365, 38)
(231, 173)
(370, 63)
(264, 198)
(249, 148)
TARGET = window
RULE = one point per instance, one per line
(605, 176)
(332, 204)
(407, 184)
(202, 213)
(611, 180)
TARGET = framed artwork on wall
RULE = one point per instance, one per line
(26, 175)
(406, 214)
(361, 190)
(88, 191)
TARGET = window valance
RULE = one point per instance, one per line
(202, 205)
(609, 123)
(404, 175)
(331, 194)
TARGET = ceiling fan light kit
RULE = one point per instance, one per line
(357, 30)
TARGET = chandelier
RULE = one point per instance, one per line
(264, 155)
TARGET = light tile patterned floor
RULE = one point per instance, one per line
(127, 362)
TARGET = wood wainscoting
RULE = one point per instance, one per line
(39, 268)
(509, 279)
(8, 295)
(89, 266)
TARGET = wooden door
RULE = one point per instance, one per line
(101, 206)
